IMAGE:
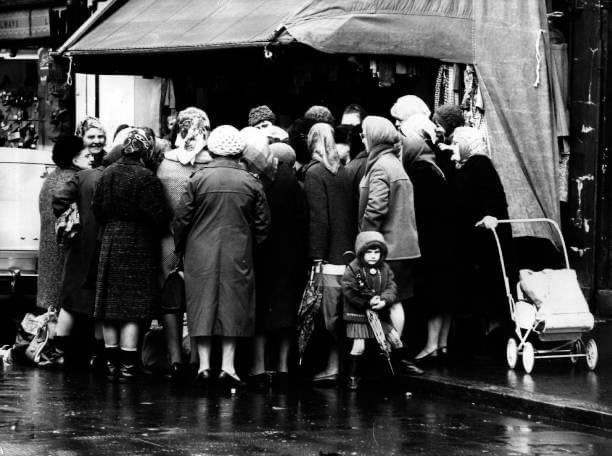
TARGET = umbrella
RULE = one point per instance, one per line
(310, 305)
(379, 335)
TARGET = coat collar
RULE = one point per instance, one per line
(223, 162)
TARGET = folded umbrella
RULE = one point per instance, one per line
(309, 306)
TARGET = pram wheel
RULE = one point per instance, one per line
(511, 352)
(528, 357)
(577, 349)
(592, 355)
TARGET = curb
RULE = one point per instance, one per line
(546, 406)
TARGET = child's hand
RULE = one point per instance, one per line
(374, 300)
(380, 304)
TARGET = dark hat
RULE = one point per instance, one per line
(449, 116)
(319, 114)
(261, 114)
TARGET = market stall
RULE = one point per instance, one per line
(211, 49)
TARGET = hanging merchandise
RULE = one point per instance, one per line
(473, 103)
(448, 85)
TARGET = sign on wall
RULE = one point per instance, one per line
(20, 25)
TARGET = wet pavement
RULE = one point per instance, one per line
(64, 414)
(555, 389)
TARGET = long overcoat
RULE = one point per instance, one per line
(79, 273)
(281, 259)
(479, 192)
(222, 214)
(50, 254)
(130, 206)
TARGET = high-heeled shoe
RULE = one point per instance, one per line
(427, 357)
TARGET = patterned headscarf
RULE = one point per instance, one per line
(87, 123)
(195, 126)
(137, 144)
(322, 146)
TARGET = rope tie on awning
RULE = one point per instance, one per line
(538, 58)
(69, 78)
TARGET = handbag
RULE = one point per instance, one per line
(173, 292)
(43, 327)
(68, 225)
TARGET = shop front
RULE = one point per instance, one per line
(493, 58)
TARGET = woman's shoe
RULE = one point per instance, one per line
(427, 357)
(227, 380)
(203, 379)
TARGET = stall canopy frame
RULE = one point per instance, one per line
(507, 41)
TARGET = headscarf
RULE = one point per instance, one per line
(379, 131)
(194, 123)
(380, 135)
(275, 133)
(87, 123)
(284, 153)
(469, 142)
(421, 125)
(407, 106)
(257, 155)
(322, 146)
(226, 141)
(138, 145)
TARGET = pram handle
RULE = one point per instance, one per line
(536, 220)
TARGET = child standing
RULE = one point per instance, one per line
(368, 283)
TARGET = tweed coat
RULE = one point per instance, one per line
(50, 255)
(222, 214)
(130, 206)
(79, 272)
(173, 176)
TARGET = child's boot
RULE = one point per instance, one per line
(352, 373)
(112, 362)
(128, 369)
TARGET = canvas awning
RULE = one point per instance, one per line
(506, 40)
(153, 26)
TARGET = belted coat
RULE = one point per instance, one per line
(222, 214)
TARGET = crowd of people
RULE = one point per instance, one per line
(225, 225)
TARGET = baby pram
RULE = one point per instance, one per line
(555, 320)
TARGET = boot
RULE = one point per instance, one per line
(111, 354)
(128, 369)
(402, 365)
(352, 373)
(97, 359)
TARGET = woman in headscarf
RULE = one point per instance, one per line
(130, 206)
(174, 171)
(329, 194)
(480, 200)
(221, 215)
(386, 205)
(94, 138)
(280, 260)
(433, 211)
(67, 154)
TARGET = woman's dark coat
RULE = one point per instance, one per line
(479, 192)
(79, 274)
(222, 213)
(130, 206)
(281, 259)
(434, 220)
(332, 228)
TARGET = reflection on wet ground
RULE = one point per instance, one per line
(65, 414)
